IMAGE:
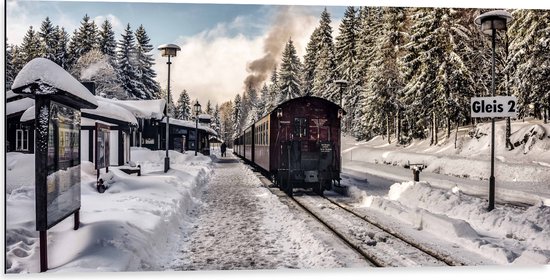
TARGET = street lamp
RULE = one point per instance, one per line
(342, 84)
(197, 108)
(490, 22)
(168, 50)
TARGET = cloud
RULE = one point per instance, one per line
(212, 65)
(118, 26)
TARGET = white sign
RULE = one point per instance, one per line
(494, 107)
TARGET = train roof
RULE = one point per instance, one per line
(302, 98)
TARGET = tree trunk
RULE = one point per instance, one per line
(508, 133)
(448, 127)
(456, 132)
(388, 130)
(398, 127)
(435, 128)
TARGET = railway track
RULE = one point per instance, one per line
(377, 246)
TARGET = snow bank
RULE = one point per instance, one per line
(127, 228)
(506, 234)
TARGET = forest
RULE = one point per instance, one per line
(409, 72)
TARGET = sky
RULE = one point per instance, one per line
(218, 39)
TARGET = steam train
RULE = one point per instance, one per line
(297, 144)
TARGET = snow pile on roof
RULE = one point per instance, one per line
(44, 71)
(190, 124)
(127, 228)
(19, 105)
(112, 111)
(205, 116)
(146, 109)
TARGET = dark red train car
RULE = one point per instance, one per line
(298, 144)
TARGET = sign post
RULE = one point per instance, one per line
(493, 107)
(58, 100)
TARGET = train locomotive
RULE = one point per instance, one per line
(297, 144)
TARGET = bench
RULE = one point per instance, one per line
(131, 169)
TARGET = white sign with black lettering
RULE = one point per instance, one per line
(494, 107)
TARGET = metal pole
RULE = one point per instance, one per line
(43, 239)
(492, 178)
(167, 158)
(196, 133)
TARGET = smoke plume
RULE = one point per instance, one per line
(289, 23)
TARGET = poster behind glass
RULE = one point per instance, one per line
(63, 182)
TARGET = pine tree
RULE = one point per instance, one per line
(237, 116)
(216, 121)
(263, 101)
(250, 103)
(183, 106)
(226, 119)
(149, 88)
(126, 70)
(10, 70)
(273, 90)
(107, 43)
(209, 109)
(346, 59)
(310, 62)
(530, 61)
(289, 75)
(48, 40)
(171, 106)
(30, 47)
(385, 81)
(84, 39)
(62, 51)
(370, 28)
(325, 71)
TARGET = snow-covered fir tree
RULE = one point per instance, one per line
(273, 90)
(126, 56)
(10, 70)
(48, 40)
(346, 60)
(107, 42)
(325, 74)
(148, 87)
(237, 116)
(263, 100)
(251, 106)
(370, 28)
(171, 106)
(216, 120)
(84, 39)
(183, 106)
(29, 50)
(62, 51)
(209, 110)
(385, 81)
(289, 74)
(530, 61)
(310, 62)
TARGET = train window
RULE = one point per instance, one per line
(300, 127)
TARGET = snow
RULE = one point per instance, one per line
(202, 215)
(146, 109)
(46, 72)
(110, 110)
(19, 105)
(106, 108)
(191, 124)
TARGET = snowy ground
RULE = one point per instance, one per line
(196, 218)
(450, 201)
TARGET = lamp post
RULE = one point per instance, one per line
(168, 50)
(342, 84)
(197, 108)
(490, 22)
